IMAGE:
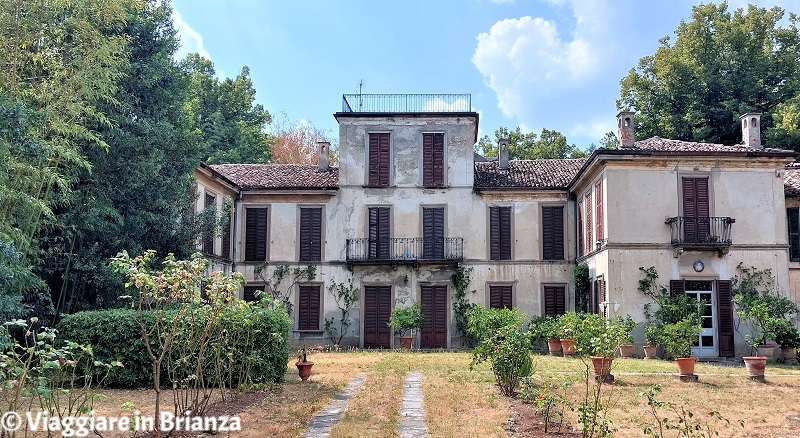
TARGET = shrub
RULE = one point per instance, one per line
(759, 303)
(508, 350)
(678, 337)
(597, 336)
(408, 318)
(542, 328)
(482, 323)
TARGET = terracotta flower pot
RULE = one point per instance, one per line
(602, 365)
(755, 366)
(553, 346)
(304, 369)
(568, 347)
(685, 365)
(766, 350)
(789, 354)
(406, 341)
(650, 351)
(626, 350)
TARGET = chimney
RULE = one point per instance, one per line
(625, 129)
(323, 148)
(502, 152)
(751, 130)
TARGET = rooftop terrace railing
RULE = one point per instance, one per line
(406, 103)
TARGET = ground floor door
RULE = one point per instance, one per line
(434, 307)
(377, 308)
(703, 292)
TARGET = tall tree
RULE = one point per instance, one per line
(721, 65)
(296, 142)
(529, 146)
(228, 126)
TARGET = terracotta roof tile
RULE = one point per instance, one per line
(667, 145)
(791, 181)
(527, 173)
(278, 176)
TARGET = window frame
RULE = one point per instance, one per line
(497, 285)
(432, 182)
(246, 233)
(320, 234)
(499, 234)
(299, 308)
(556, 246)
(389, 177)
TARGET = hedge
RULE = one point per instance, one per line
(253, 339)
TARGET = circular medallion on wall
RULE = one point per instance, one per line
(699, 266)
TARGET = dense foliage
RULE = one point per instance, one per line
(720, 65)
(759, 304)
(529, 146)
(502, 342)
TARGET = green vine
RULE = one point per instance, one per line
(346, 296)
(461, 305)
(272, 286)
(583, 287)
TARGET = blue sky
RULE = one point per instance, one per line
(552, 64)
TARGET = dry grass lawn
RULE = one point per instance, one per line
(461, 403)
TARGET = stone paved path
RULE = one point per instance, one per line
(412, 415)
(324, 420)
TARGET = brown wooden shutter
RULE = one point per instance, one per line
(553, 233)
(500, 233)
(379, 160)
(588, 205)
(250, 293)
(310, 234)
(500, 297)
(433, 159)
(226, 241)
(433, 233)
(598, 214)
(593, 306)
(208, 236)
(677, 288)
(255, 247)
(377, 308)
(696, 210)
(494, 233)
(308, 308)
(434, 308)
(603, 310)
(581, 247)
(725, 318)
(379, 231)
(794, 233)
(555, 300)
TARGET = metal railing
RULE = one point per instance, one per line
(405, 249)
(700, 232)
(406, 103)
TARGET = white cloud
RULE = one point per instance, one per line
(191, 40)
(594, 130)
(525, 60)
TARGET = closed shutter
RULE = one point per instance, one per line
(208, 236)
(310, 234)
(433, 159)
(553, 233)
(581, 248)
(555, 300)
(308, 308)
(434, 308)
(696, 227)
(226, 241)
(598, 214)
(433, 233)
(500, 297)
(725, 318)
(794, 234)
(602, 308)
(500, 233)
(593, 307)
(677, 288)
(379, 232)
(255, 247)
(377, 309)
(379, 160)
(588, 205)
(250, 293)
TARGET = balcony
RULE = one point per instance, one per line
(409, 250)
(406, 103)
(701, 233)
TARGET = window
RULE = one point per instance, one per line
(598, 214)
(379, 160)
(433, 159)
(500, 233)
(598, 297)
(555, 300)
(252, 293)
(432, 233)
(500, 297)
(308, 307)
(210, 205)
(379, 229)
(310, 234)
(588, 206)
(553, 233)
(580, 228)
(226, 240)
(794, 233)
(255, 239)
(696, 224)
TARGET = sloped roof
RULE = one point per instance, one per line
(537, 174)
(791, 181)
(658, 144)
(278, 176)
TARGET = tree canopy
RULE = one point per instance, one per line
(721, 65)
(529, 146)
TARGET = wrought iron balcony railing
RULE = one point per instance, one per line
(713, 233)
(406, 103)
(405, 249)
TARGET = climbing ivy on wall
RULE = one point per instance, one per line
(461, 304)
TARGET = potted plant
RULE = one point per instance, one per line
(303, 365)
(626, 326)
(652, 333)
(678, 339)
(404, 320)
(545, 329)
(568, 326)
(599, 339)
